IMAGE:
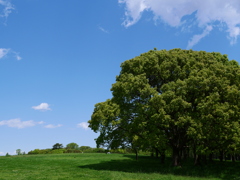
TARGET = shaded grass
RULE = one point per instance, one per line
(108, 167)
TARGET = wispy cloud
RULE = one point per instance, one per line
(5, 51)
(196, 38)
(7, 8)
(206, 14)
(17, 123)
(83, 125)
(133, 10)
(18, 57)
(51, 126)
(102, 29)
(42, 107)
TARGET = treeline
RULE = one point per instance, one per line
(182, 102)
(70, 148)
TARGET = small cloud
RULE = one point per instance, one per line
(83, 125)
(196, 38)
(42, 107)
(17, 123)
(2, 153)
(51, 126)
(102, 29)
(17, 56)
(3, 52)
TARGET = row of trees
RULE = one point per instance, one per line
(70, 148)
(178, 100)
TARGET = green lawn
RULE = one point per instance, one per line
(109, 167)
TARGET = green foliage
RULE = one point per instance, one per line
(84, 148)
(98, 150)
(94, 150)
(72, 146)
(58, 151)
(72, 151)
(47, 151)
(176, 99)
(57, 146)
(7, 155)
(121, 151)
(18, 152)
(35, 151)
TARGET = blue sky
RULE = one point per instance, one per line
(59, 58)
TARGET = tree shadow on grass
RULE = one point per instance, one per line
(223, 170)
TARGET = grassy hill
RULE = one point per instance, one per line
(109, 167)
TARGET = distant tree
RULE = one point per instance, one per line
(18, 152)
(7, 155)
(57, 146)
(72, 146)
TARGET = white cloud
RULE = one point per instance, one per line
(134, 9)
(83, 125)
(17, 123)
(51, 126)
(3, 52)
(102, 29)
(8, 7)
(42, 107)
(18, 57)
(206, 14)
(196, 38)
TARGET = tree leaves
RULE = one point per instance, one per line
(176, 98)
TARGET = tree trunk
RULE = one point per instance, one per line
(185, 153)
(233, 157)
(204, 159)
(197, 159)
(175, 157)
(136, 152)
(221, 155)
(156, 150)
(152, 154)
(210, 157)
(162, 155)
(195, 156)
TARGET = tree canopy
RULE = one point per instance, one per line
(72, 146)
(177, 99)
(57, 146)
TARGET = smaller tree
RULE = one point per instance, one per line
(72, 146)
(57, 146)
(18, 152)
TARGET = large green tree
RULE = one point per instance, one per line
(178, 99)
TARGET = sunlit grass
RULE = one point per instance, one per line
(109, 167)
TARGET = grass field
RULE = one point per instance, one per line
(109, 167)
